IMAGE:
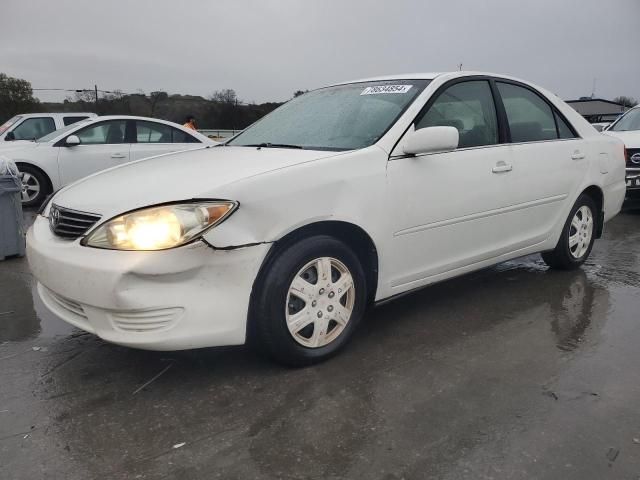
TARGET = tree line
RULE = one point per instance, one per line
(220, 110)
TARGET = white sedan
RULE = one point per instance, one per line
(89, 146)
(345, 196)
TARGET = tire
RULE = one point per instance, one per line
(321, 309)
(35, 187)
(580, 226)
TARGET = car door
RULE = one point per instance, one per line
(102, 145)
(155, 138)
(452, 209)
(549, 160)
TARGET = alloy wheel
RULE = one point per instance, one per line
(30, 186)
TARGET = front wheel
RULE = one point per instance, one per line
(576, 240)
(34, 186)
(309, 301)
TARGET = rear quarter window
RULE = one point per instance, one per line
(72, 120)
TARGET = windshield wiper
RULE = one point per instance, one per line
(274, 145)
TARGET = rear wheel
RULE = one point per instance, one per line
(576, 240)
(309, 301)
(34, 186)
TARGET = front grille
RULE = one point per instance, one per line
(68, 223)
(633, 162)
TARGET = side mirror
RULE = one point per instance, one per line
(431, 140)
(9, 137)
(72, 140)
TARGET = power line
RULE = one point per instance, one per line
(80, 90)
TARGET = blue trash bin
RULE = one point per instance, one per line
(11, 223)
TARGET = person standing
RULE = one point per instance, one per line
(190, 122)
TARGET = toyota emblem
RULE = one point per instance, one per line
(635, 158)
(54, 217)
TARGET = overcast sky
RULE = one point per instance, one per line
(267, 49)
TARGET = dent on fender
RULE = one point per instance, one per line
(234, 247)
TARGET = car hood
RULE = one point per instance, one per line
(176, 176)
(631, 138)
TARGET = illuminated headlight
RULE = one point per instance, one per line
(159, 228)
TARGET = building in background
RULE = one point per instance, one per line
(598, 110)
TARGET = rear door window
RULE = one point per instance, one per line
(529, 117)
(469, 107)
(152, 132)
(183, 137)
(33, 128)
(564, 131)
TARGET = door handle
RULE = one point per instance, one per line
(577, 155)
(118, 155)
(502, 167)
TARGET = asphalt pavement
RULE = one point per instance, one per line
(513, 372)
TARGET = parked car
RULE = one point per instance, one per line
(81, 149)
(29, 126)
(627, 129)
(345, 196)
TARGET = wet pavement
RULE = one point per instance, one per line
(512, 372)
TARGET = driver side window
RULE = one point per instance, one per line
(467, 106)
(111, 132)
(34, 128)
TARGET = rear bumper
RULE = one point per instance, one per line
(188, 297)
(614, 195)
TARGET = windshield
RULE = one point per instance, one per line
(629, 121)
(57, 133)
(344, 117)
(5, 126)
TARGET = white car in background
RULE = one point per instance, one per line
(89, 146)
(344, 196)
(29, 126)
(627, 129)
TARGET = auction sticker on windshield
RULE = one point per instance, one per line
(378, 89)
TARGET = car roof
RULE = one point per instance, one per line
(29, 115)
(103, 118)
(135, 117)
(131, 117)
(431, 76)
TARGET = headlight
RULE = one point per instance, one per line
(159, 228)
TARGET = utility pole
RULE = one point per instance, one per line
(96, 90)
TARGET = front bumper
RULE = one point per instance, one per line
(632, 199)
(188, 297)
(632, 178)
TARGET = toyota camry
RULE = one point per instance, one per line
(344, 197)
